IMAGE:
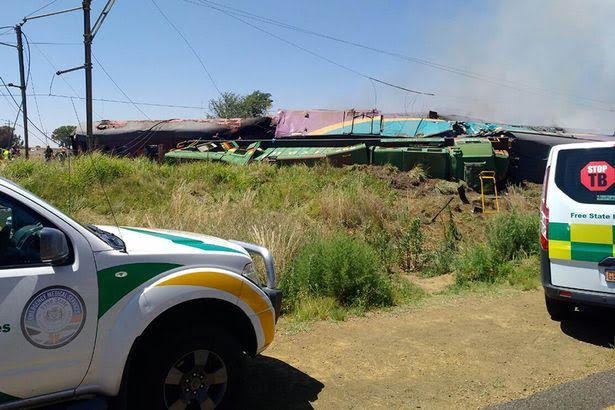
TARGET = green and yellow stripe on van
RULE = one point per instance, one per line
(581, 242)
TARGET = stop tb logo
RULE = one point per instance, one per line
(598, 176)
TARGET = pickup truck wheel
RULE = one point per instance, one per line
(558, 309)
(192, 370)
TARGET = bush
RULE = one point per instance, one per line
(508, 254)
(340, 267)
(384, 244)
(513, 235)
(477, 264)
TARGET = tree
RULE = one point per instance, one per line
(232, 105)
(62, 135)
(8, 138)
(257, 103)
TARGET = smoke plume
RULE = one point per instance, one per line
(553, 62)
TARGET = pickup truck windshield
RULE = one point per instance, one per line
(112, 240)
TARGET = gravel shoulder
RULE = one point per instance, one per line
(469, 351)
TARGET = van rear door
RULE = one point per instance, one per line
(581, 202)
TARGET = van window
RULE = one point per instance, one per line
(568, 177)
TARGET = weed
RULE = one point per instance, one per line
(509, 253)
(406, 292)
(524, 273)
(477, 264)
(412, 253)
(441, 259)
(383, 242)
(341, 267)
(317, 308)
(513, 235)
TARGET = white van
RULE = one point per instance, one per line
(577, 228)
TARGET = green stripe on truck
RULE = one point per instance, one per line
(182, 240)
(116, 282)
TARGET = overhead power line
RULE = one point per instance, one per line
(517, 86)
(178, 31)
(51, 3)
(148, 104)
(140, 141)
(56, 43)
(19, 106)
(315, 54)
(120, 88)
(19, 112)
(110, 100)
(7, 31)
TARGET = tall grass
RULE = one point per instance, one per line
(442, 257)
(507, 255)
(298, 212)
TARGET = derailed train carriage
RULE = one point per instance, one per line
(450, 148)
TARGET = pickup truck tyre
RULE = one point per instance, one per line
(559, 309)
(192, 369)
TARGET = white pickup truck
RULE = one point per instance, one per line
(161, 319)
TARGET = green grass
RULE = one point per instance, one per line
(509, 253)
(342, 238)
(340, 267)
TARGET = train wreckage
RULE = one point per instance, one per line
(446, 147)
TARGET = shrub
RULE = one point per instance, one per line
(476, 264)
(513, 235)
(341, 267)
(508, 254)
(411, 246)
(384, 244)
(441, 259)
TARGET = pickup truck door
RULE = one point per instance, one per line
(48, 314)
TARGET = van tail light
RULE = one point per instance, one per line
(544, 213)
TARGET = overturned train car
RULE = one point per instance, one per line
(445, 147)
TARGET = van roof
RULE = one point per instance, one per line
(580, 145)
(583, 145)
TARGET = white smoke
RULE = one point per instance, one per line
(564, 46)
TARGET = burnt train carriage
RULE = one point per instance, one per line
(135, 137)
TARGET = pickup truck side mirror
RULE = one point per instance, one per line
(54, 246)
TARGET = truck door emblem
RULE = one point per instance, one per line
(121, 274)
(53, 317)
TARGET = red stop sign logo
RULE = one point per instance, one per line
(598, 176)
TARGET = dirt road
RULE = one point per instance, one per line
(469, 351)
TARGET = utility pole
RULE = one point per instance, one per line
(88, 37)
(87, 46)
(22, 86)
